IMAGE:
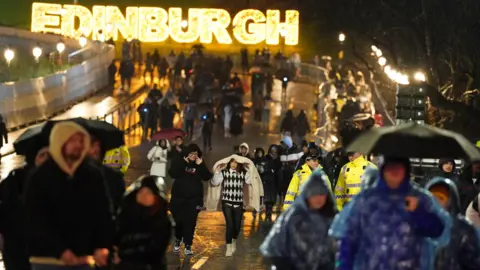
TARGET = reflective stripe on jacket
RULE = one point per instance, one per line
(350, 180)
(298, 179)
(118, 158)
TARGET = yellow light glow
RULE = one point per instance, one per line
(99, 23)
(153, 25)
(126, 25)
(214, 22)
(178, 26)
(252, 33)
(46, 18)
(84, 16)
(289, 29)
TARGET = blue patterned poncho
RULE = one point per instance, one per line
(299, 238)
(377, 233)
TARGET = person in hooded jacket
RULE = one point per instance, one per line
(299, 239)
(244, 151)
(68, 211)
(288, 123)
(388, 223)
(302, 127)
(144, 228)
(468, 184)
(463, 250)
(187, 195)
(158, 155)
(12, 213)
(289, 157)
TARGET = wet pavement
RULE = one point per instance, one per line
(209, 242)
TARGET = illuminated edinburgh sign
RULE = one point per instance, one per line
(153, 24)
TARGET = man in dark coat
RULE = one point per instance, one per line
(12, 212)
(187, 195)
(67, 206)
(113, 179)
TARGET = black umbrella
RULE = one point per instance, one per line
(109, 136)
(37, 137)
(413, 140)
(33, 139)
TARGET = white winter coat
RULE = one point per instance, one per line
(158, 156)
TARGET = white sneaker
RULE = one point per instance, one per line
(234, 245)
(229, 252)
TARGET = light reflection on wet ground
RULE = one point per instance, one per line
(210, 235)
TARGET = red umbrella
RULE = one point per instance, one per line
(168, 133)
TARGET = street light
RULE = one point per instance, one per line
(341, 37)
(374, 48)
(9, 55)
(419, 76)
(83, 41)
(382, 61)
(379, 53)
(60, 47)
(37, 52)
(184, 24)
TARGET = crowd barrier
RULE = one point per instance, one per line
(28, 101)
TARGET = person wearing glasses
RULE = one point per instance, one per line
(299, 178)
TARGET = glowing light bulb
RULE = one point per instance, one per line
(60, 47)
(420, 76)
(9, 55)
(382, 61)
(37, 52)
(341, 37)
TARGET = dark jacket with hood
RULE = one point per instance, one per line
(378, 223)
(467, 189)
(189, 176)
(144, 232)
(299, 239)
(114, 182)
(67, 206)
(269, 169)
(463, 250)
(13, 220)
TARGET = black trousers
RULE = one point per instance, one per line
(207, 139)
(233, 218)
(185, 212)
(189, 126)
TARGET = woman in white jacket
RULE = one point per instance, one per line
(158, 156)
(473, 212)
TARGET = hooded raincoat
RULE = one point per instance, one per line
(463, 250)
(380, 234)
(299, 239)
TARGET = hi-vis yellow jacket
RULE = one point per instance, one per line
(350, 180)
(298, 179)
(118, 158)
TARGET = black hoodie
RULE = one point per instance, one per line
(189, 176)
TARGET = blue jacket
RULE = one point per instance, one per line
(299, 239)
(463, 250)
(380, 235)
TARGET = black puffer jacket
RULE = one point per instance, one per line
(143, 232)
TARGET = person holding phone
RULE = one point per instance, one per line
(187, 195)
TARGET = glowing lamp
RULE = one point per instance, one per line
(9, 55)
(382, 61)
(37, 52)
(60, 47)
(83, 41)
(341, 37)
(420, 76)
